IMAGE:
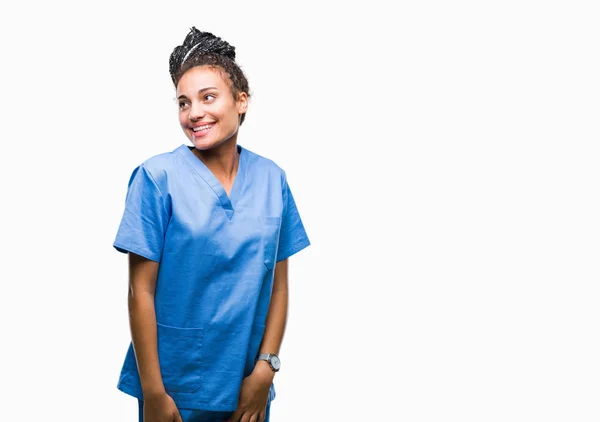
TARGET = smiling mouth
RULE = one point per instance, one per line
(201, 131)
(202, 128)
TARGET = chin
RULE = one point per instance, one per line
(202, 145)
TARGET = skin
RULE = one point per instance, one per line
(158, 406)
(254, 394)
(218, 150)
(204, 97)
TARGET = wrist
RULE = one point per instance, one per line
(152, 392)
(263, 368)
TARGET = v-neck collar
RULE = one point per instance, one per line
(227, 201)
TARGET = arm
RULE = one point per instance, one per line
(142, 321)
(254, 393)
(158, 405)
(276, 319)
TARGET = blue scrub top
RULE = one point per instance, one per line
(217, 255)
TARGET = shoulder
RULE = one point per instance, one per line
(158, 166)
(265, 166)
(161, 162)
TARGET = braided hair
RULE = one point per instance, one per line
(205, 49)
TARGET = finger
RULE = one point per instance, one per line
(263, 413)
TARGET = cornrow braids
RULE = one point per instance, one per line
(205, 49)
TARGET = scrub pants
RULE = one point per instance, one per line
(202, 415)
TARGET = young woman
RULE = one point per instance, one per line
(209, 229)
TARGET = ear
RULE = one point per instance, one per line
(242, 102)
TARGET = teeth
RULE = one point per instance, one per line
(196, 129)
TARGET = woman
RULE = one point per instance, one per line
(209, 229)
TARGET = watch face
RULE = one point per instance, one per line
(275, 362)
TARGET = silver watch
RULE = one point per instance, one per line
(273, 360)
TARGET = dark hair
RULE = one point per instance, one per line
(205, 49)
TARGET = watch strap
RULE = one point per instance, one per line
(267, 357)
(264, 356)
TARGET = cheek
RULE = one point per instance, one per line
(229, 115)
(182, 119)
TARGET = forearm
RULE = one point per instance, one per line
(275, 326)
(142, 321)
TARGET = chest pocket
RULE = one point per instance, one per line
(270, 227)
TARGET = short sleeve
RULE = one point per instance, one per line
(145, 219)
(292, 237)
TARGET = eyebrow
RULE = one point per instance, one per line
(199, 92)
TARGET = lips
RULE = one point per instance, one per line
(202, 132)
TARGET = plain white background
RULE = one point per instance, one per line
(443, 156)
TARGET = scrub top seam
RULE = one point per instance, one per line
(193, 166)
(162, 203)
(215, 185)
(295, 248)
(146, 253)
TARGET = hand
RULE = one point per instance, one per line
(254, 396)
(161, 408)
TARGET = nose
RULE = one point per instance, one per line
(197, 112)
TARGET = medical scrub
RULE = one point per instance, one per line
(217, 255)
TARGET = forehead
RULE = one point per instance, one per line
(199, 77)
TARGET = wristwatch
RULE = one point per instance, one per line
(273, 360)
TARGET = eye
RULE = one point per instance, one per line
(209, 95)
(182, 105)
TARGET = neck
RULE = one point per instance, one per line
(222, 160)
